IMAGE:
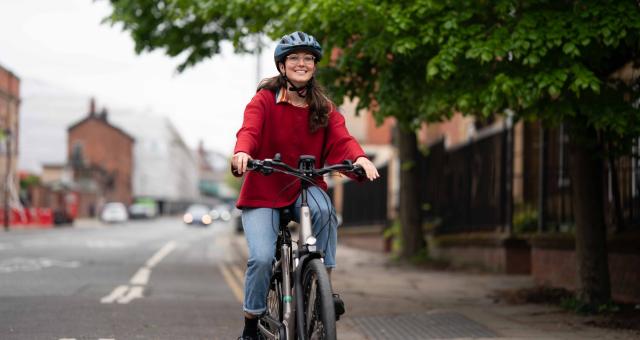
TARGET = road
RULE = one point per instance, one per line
(152, 279)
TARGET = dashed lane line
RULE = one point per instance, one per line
(116, 294)
(160, 254)
(134, 292)
(124, 294)
(141, 277)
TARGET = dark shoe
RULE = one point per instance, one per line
(339, 306)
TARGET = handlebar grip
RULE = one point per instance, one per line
(359, 171)
(252, 165)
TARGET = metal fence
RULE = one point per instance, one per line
(464, 188)
(628, 170)
(365, 203)
(469, 188)
(558, 209)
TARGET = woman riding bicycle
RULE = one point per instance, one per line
(291, 115)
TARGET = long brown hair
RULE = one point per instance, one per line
(319, 103)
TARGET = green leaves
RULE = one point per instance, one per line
(422, 59)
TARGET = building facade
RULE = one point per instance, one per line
(101, 156)
(9, 128)
(165, 169)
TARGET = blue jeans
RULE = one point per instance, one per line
(261, 230)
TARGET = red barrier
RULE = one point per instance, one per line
(29, 218)
(45, 217)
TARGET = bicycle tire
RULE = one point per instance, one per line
(319, 311)
(274, 301)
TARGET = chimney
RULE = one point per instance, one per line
(103, 114)
(92, 107)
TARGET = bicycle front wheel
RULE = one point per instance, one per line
(319, 311)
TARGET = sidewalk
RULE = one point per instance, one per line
(373, 286)
(389, 301)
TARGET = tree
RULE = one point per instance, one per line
(566, 61)
(555, 61)
(194, 30)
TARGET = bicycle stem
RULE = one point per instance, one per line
(306, 233)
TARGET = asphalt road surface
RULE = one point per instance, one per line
(151, 279)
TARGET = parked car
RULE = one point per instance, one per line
(114, 212)
(197, 214)
(142, 210)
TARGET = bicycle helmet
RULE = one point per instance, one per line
(290, 43)
(297, 41)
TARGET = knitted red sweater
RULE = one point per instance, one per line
(269, 128)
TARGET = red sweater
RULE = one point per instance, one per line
(269, 128)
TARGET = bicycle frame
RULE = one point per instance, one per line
(291, 308)
(292, 302)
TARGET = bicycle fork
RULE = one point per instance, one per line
(288, 309)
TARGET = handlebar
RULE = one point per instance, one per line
(305, 167)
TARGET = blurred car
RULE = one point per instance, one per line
(142, 210)
(197, 214)
(221, 212)
(114, 212)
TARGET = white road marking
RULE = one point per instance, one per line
(134, 293)
(117, 293)
(22, 264)
(236, 287)
(160, 254)
(124, 294)
(141, 277)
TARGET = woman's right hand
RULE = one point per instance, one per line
(239, 162)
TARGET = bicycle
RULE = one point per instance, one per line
(310, 314)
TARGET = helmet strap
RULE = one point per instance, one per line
(302, 90)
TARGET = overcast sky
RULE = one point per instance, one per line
(63, 44)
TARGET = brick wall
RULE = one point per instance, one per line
(380, 135)
(554, 267)
(491, 251)
(554, 264)
(108, 147)
(9, 118)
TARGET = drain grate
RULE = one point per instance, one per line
(440, 325)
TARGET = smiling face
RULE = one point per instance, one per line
(299, 67)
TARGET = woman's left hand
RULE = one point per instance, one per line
(368, 167)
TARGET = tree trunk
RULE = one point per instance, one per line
(586, 174)
(410, 215)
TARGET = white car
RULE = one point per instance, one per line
(114, 212)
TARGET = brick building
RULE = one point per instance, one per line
(9, 108)
(101, 156)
